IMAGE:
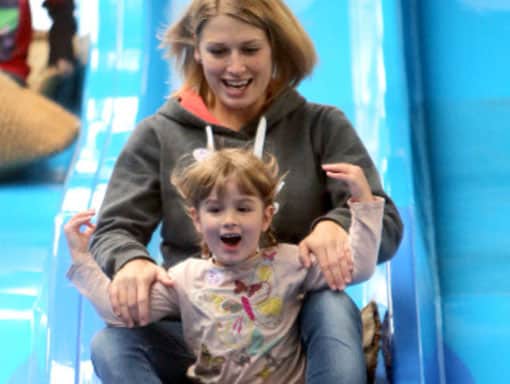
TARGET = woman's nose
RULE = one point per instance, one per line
(236, 63)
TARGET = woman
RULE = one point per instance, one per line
(241, 61)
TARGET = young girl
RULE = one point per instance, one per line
(240, 302)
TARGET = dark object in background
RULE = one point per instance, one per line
(62, 30)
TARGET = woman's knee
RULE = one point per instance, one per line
(108, 345)
(332, 337)
(143, 354)
(330, 312)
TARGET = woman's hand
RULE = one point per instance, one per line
(77, 240)
(329, 244)
(354, 177)
(130, 289)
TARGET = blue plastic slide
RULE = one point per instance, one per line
(372, 59)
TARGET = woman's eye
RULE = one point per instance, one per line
(217, 51)
(250, 50)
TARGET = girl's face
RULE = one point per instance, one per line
(237, 62)
(231, 225)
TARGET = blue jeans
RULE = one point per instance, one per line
(330, 327)
(149, 355)
(331, 334)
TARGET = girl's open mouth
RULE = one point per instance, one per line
(231, 239)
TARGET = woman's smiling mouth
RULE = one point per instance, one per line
(237, 84)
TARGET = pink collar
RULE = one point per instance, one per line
(192, 102)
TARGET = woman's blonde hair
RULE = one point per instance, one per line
(253, 176)
(293, 52)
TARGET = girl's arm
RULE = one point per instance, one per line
(338, 142)
(334, 140)
(365, 237)
(92, 283)
(361, 248)
(367, 212)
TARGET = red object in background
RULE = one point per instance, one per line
(14, 43)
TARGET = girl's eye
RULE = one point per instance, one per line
(244, 209)
(213, 209)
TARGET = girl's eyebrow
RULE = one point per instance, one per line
(210, 200)
(247, 199)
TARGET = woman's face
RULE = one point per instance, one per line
(237, 62)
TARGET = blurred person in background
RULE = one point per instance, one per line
(16, 37)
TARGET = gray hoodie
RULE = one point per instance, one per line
(300, 134)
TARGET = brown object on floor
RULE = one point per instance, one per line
(31, 126)
(371, 337)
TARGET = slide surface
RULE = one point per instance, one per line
(374, 60)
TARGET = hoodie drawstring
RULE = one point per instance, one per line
(260, 137)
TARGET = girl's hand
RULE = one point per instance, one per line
(329, 244)
(77, 240)
(354, 177)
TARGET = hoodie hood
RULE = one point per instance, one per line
(193, 103)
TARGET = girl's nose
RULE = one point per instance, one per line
(230, 219)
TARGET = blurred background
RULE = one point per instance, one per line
(427, 86)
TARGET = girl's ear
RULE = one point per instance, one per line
(192, 212)
(267, 217)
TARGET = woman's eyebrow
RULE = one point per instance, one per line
(210, 43)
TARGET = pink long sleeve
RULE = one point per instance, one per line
(92, 283)
(365, 237)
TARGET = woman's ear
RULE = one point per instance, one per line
(196, 55)
(193, 213)
(267, 217)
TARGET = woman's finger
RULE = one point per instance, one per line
(304, 254)
(142, 304)
(123, 306)
(338, 270)
(132, 302)
(326, 267)
(114, 299)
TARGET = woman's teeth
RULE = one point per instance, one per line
(236, 84)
